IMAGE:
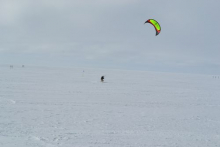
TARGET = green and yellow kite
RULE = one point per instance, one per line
(155, 24)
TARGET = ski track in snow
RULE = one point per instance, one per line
(52, 107)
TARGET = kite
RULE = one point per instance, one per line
(155, 24)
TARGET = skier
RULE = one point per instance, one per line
(102, 78)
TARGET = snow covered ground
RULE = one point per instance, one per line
(57, 107)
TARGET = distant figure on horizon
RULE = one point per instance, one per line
(102, 78)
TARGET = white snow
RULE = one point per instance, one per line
(57, 107)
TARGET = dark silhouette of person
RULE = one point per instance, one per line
(102, 78)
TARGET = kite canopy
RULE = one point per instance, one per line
(155, 24)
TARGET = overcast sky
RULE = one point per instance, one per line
(112, 34)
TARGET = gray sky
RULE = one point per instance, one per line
(112, 34)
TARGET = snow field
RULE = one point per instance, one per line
(58, 107)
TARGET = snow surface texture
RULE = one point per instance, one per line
(52, 107)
